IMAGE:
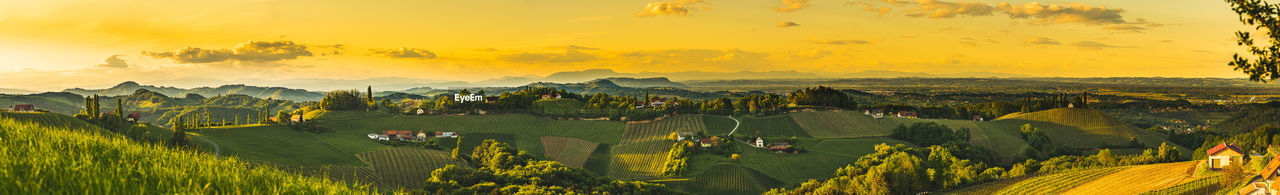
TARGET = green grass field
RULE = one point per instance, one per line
(770, 126)
(823, 157)
(279, 144)
(405, 167)
(1082, 128)
(52, 159)
(717, 125)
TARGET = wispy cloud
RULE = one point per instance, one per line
(114, 62)
(403, 52)
(673, 8)
(1033, 12)
(1041, 41)
(252, 51)
(838, 41)
(792, 5)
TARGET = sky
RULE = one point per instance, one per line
(53, 45)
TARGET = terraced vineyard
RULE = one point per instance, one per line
(1056, 183)
(1083, 127)
(571, 152)
(730, 179)
(643, 148)
(1139, 179)
(405, 167)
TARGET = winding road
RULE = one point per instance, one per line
(735, 124)
(216, 149)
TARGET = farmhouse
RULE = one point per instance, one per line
(906, 114)
(1224, 154)
(551, 96)
(759, 142)
(24, 107)
(978, 118)
(422, 135)
(398, 134)
(1268, 184)
(707, 142)
(874, 113)
(133, 117)
(448, 134)
(421, 111)
(376, 136)
(656, 101)
(780, 147)
(682, 135)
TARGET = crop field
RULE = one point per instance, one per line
(844, 124)
(1139, 179)
(1058, 182)
(644, 146)
(822, 159)
(406, 167)
(568, 151)
(1082, 128)
(717, 125)
(286, 146)
(770, 126)
(68, 161)
(348, 174)
(727, 178)
(599, 160)
(49, 119)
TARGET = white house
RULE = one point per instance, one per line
(421, 111)
(759, 142)
(373, 136)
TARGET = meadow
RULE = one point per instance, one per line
(38, 158)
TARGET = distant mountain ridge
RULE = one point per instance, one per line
(129, 87)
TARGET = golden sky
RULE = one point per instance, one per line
(51, 45)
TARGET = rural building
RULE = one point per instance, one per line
(1255, 188)
(1268, 184)
(682, 135)
(448, 134)
(655, 102)
(133, 117)
(874, 113)
(376, 136)
(906, 114)
(551, 96)
(978, 118)
(707, 142)
(759, 142)
(422, 135)
(398, 134)
(1225, 154)
(24, 107)
(780, 147)
(421, 111)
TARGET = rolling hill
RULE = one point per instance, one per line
(645, 82)
(60, 102)
(1082, 128)
(129, 87)
(67, 159)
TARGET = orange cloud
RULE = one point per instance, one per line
(252, 51)
(403, 52)
(792, 5)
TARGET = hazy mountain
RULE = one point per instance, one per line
(507, 81)
(644, 82)
(897, 74)
(129, 87)
(16, 91)
(592, 74)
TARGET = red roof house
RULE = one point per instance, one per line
(24, 107)
(1224, 154)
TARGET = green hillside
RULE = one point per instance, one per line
(1081, 127)
(60, 102)
(727, 178)
(55, 159)
(558, 106)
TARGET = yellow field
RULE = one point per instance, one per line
(1139, 179)
(1056, 183)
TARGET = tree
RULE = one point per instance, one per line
(735, 156)
(120, 107)
(1105, 157)
(1264, 17)
(457, 148)
(283, 117)
(372, 102)
(179, 138)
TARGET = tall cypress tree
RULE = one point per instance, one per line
(370, 97)
(120, 107)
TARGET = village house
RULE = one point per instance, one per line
(682, 135)
(401, 135)
(133, 117)
(759, 142)
(551, 96)
(874, 113)
(656, 101)
(1267, 185)
(421, 111)
(707, 142)
(906, 114)
(1225, 154)
(422, 135)
(448, 134)
(780, 147)
(978, 118)
(24, 107)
